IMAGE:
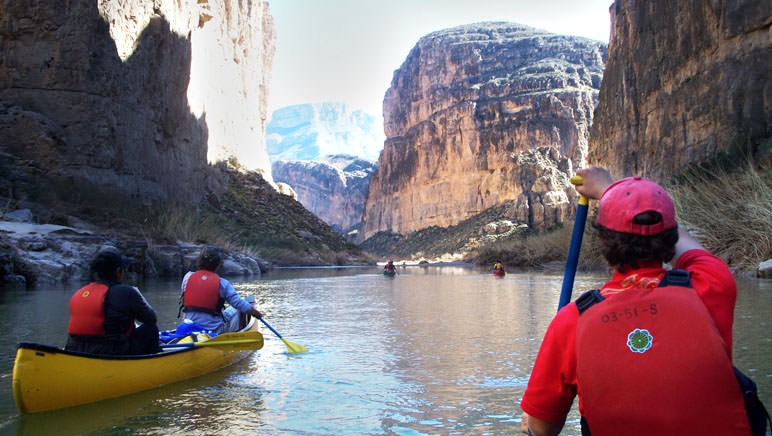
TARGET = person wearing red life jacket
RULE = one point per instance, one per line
(103, 313)
(646, 359)
(389, 267)
(204, 294)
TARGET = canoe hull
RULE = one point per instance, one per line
(499, 273)
(48, 378)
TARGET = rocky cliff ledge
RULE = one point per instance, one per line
(481, 114)
(684, 80)
(333, 188)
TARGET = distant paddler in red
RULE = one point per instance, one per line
(498, 269)
(389, 269)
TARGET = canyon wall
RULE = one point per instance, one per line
(683, 81)
(134, 99)
(333, 188)
(481, 114)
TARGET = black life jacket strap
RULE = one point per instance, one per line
(676, 277)
(588, 299)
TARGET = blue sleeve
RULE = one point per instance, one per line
(232, 297)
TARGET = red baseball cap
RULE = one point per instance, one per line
(629, 197)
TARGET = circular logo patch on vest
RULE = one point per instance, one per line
(639, 340)
(204, 277)
(84, 294)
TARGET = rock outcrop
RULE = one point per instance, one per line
(309, 132)
(38, 254)
(684, 80)
(334, 188)
(481, 114)
(131, 100)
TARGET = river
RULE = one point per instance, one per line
(433, 351)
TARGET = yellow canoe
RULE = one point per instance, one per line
(47, 378)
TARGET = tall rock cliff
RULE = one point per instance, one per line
(684, 80)
(481, 114)
(131, 98)
(332, 188)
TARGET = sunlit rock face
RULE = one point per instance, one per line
(135, 98)
(480, 114)
(312, 131)
(332, 188)
(684, 80)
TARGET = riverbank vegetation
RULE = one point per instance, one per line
(726, 204)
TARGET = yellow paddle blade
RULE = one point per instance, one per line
(293, 347)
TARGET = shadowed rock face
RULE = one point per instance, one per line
(333, 188)
(466, 114)
(135, 100)
(684, 80)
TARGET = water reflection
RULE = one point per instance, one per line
(435, 350)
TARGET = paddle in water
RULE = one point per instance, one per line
(576, 245)
(291, 346)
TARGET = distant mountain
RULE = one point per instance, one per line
(332, 188)
(308, 132)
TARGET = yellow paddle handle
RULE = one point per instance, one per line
(577, 180)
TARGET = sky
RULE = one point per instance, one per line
(347, 50)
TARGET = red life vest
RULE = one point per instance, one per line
(202, 293)
(651, 361)
(87, 310)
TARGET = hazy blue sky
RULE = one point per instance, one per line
(347, 50)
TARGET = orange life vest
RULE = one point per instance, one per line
(202, 293)
(656, 349)
(87, 310)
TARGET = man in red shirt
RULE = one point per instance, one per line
(647, 359)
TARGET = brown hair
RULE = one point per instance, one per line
(625, 250)
(210, 259)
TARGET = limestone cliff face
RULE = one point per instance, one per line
(684, 80)
(133, 98)
(333, 188)
(481, 114)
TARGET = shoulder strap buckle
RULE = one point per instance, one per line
(588, 299)
(676, 277)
